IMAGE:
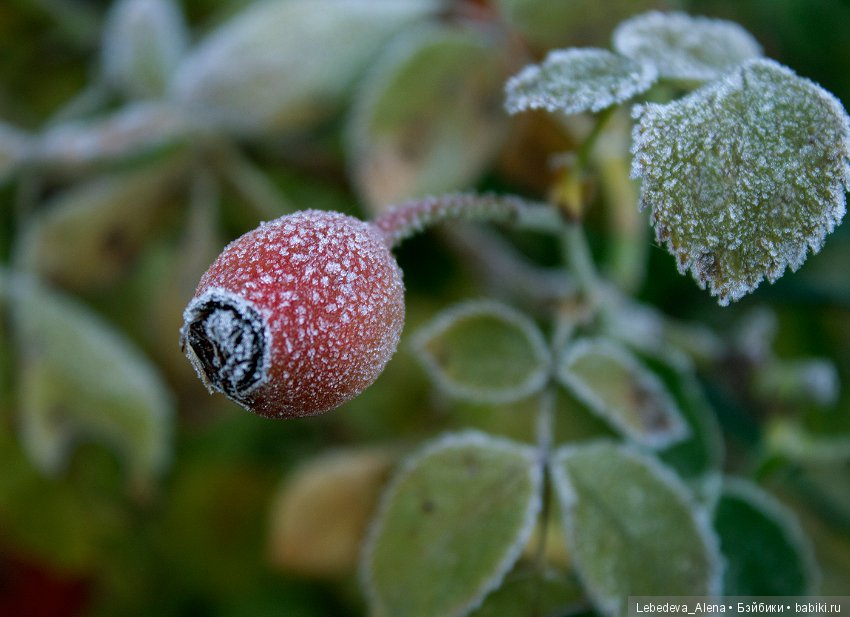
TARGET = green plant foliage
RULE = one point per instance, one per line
(632, 527)
(526, 589)
(744, 176)
(462, 508)
(143, 41)
(702, 452)
(43, 517)
(139, 137)
(765, 550)
(426, 118)
(82, 380)
(285, 64)
(685, 48)
(614, 384)
(789, 440)
(577, 80)
(87, 236)
(130, 133)
(484, 351)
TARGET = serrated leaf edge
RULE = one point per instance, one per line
(567, 499)
(446, 441)
(752, 494)
(646, 77)
(834, 214)
(680, 430)
(444, 320)
(682, 21)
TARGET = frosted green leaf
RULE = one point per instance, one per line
(426, 120)
(765, 549)
(744, 175)
(632, 527)
(136, 130)
(484, 351)
(683, 47)
(577, 80)
(86, 237)
(143, 41)
(702, 452)
(451, 524)
(283, 64)
(80, 380)
(549, 591)
(616, 385)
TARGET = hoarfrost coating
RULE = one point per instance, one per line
(744, 176)
(330, 301)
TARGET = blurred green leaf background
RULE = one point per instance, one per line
(158, 499)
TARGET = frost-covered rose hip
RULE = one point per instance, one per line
(298, 316)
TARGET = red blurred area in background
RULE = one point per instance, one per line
(30, 589)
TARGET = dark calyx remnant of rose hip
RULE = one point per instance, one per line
(229, 345)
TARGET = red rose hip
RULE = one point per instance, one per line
(297, 316)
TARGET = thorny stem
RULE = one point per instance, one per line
(405, 220)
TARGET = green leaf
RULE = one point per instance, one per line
(614, 384)
(577, 80)
(426, 119)
(529, 591)
(632, 527)
(143, 41)
(87, 236)
(683, 47)
(81, 380)
(132, 132)
(765, 549)
(451, 525)
(484, 351)
(703, 451)
(744, 176)
(284, 64)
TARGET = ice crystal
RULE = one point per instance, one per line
(577, 80)
(683, 47)
(745, 175)
(331, 300)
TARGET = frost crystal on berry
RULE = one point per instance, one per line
(744, 175)
(298, 316)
